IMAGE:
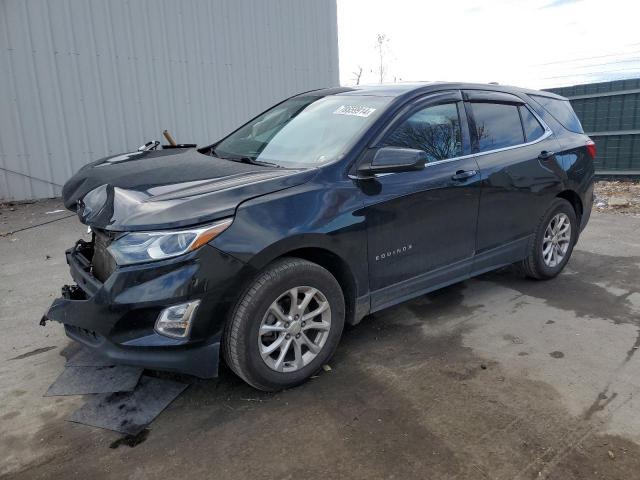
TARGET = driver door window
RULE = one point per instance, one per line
(435, 129)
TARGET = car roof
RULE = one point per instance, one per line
(415, 88)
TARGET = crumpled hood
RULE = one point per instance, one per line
(168, 189)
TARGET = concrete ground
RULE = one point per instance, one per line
(494, 378)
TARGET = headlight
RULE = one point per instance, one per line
(138, 247)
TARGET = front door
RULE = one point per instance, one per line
(421, 225)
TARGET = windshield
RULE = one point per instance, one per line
(303, 131)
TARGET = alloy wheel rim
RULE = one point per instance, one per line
(557, 237)
(294, 329)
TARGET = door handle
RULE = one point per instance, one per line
(545, 155)
(464, 174)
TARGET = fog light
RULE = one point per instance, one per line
(175, 321)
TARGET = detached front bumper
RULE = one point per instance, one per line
(117, 318)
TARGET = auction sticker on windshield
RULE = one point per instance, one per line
(354, 110)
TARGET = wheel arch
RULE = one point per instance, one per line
(339, 268)
(318, 249)
(574, 199)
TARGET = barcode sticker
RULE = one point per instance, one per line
(354, 110)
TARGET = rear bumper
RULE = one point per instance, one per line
(587, 206)
(117, 318)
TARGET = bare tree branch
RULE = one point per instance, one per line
(357, 75)
(382, 43)
(440, 141)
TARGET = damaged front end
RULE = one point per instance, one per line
(114, 310)
(150, 289)
(88, 279)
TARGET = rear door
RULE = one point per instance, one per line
(519, 174)
(421, 225)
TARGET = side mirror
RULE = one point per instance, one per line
(394, 159)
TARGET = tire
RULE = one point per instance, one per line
(536, 265)
(268, 304)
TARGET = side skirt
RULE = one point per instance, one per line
(442, 277)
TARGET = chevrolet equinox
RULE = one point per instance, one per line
(330, 206)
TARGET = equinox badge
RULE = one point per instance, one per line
(394, 252)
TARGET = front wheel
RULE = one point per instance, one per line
(553, 242)
(285, 326)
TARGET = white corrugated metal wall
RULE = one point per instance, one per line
(83, 79)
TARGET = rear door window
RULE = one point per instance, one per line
(562, 111)
(497, 125)
(532, 128)
(435, 129)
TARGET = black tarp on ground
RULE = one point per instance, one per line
(129, 412)
(85, 380)
(88, 358)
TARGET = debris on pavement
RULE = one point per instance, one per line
(618, 202)
(119, 397)
(129, 412)
(326, 368)
(85, 380)
(37, 351)
(617, 196)
(23, 216)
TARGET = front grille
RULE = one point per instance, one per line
(102, 263)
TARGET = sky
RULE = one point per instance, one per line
(533, 44)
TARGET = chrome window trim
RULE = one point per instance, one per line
(547, 133)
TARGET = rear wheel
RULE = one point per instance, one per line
(553, 242)
(285, 326)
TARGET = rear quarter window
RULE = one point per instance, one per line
(562, 111)
(532, 128)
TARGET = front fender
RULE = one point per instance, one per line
(326, 216)
(296, 242)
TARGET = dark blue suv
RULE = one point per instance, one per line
(331, 205)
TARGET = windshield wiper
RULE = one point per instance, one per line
(252, 161)
(244, 159)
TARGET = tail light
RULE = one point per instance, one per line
(591, 149)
